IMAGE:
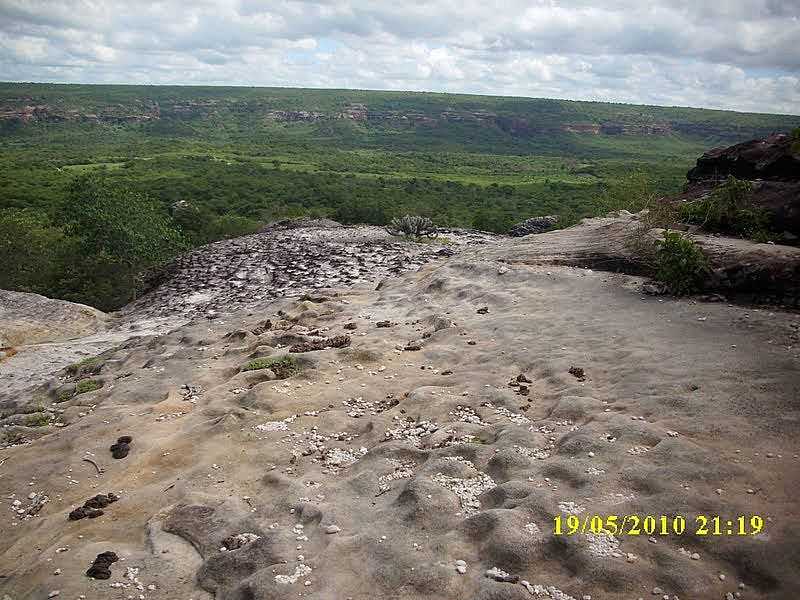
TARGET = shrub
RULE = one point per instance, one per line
(680, 264)
(87, 385)
(412, 226)
(358, 212)
(633, 192)
(65, 395)
(283, 366)
(729, 208)
(37, 419)
(87, 365)
(201, 225)
(494, 220)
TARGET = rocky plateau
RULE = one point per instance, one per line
(327, 412)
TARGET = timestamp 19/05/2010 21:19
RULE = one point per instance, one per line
(657, 525)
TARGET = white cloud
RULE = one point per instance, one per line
(739, 54)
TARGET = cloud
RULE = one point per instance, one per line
(738, 54)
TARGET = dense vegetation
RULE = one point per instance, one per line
(100, 182)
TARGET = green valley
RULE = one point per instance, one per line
(242, 157)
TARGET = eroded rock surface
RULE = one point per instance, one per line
(291, 259)
(774, 157)
(371, 471)
(31, 319)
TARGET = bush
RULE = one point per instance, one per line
(283, 367)
(200, 225)
(115, 234)
(357, 212)
(680, 264)
(412, 226)
(65, 395)
(728, 209)
(29, 247)
(85, 366)
(37, 419)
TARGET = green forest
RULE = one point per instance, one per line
(100, 183)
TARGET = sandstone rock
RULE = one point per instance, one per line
(31, 319)
(423, 473)
(741, 269)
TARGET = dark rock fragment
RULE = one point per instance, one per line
(92, 507)
(101, 500)
(120, 450)
(533, 225)
(578, 373)
(101, 568)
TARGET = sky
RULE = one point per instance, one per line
(730, 54)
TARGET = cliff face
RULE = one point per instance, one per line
(46, 113)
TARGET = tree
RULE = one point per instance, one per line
(29, 247)
(118, 234)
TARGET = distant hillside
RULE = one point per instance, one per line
(378, 119)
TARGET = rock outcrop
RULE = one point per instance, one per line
(289, 258)
(742, 270)
(27, 110)
(770, 165)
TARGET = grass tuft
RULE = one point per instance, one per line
(283, 366)
(87, 385)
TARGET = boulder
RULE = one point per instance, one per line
(772, 165)
(774, 157)
(32, 319)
